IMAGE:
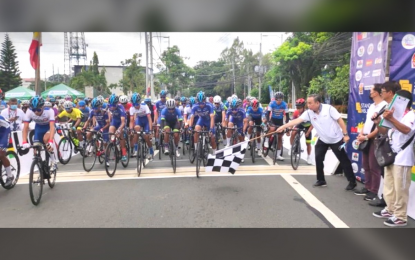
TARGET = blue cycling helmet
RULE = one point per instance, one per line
(81, 103)
(192, 100)
(96, 103)
(183, 99)
(36, 102)
(200, 97)
(234, 103)
(147, 100)
(104, 106)
(163, 93)
(113, 100)
(135, 98)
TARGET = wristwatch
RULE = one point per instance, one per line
(366, 138)
(346, 134)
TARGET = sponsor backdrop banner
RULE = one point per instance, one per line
(367, 67)
(402, 69)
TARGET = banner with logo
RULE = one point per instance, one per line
(367, 67)
(402, 69)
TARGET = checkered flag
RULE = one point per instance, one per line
(228, 159)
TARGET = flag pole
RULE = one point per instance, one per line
(37, 73)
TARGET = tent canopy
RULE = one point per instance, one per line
(62, 90)
(20, 92)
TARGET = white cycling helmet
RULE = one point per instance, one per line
(234, 96)
(25, 102)
(61, 101)
(170, 103)
(48, 104)
(217, 99)
(123, 99)
(67, 104)
(229, 99)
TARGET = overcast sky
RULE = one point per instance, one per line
(112, 48)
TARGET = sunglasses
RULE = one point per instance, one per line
(36, 109)
(68, 109)
(136, 104)
(171, 109)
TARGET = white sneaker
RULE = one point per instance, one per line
(135, 154)
(309, 160)
(280, 158)
(289, 151)
(246, 138)
(177, 153)
(266, 144)
(243, 160)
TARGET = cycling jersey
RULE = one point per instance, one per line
(203, 113)
(117, 114)
(180, 108)
(159, 107)
(278, 111)
(187, 110)
(238, 116)
(85, 113)
(171, 115)
(101, 118)
(141, 112)
(4, 134)
(42, 123)
(219, 109)
(255, 114)
(297, 114)
(75, 114)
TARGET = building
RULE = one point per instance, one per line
(27, 81)
(113, 75)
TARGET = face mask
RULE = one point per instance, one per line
(13, 107)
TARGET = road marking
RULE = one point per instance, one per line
(314, 202)
(268, 160)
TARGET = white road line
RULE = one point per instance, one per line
(314, 202)
(268, 160)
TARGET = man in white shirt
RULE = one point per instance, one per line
(398, 175)
(332, 133)
(14, 115)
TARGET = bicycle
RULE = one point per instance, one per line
(142, 151)
(172, 150)
(253, 143)
(114, 147)
(272, 144)
(160, 144)
(202, 150)
(192, 152)
(15, 169)
(218, 135)
(183, 137)
(235, 135)
(42, 167)
(66, 143)
(93, 149)
(296, 147)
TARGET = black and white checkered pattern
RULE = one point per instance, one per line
(228, 159)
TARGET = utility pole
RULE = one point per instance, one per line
(53, 72)
(233, 71)
(260, 64)
(45, 80)
(151, 67)
(146, 40)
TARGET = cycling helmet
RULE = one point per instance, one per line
(200, 97)
(248, 98)
(48, 104)
(68, 97)
(217, 99)
(234, 96)
(104, 106)
(163, 93)
(255, 103)
(279, 95)
(25, 102)
(300, 102)
(73, 105)
(61, 101)
(170, 103)
(192, 100)
(210, 99)
(229, 100)
(113, 100)
(136, 98)
(96, 103)
(81, 103)
(183, 99)
(146, 100)
(234, 104)
(177, 98)
(68, 104)
(123, 99)
(36, 102)
(52, 99)
(239, 102)
(100, 98)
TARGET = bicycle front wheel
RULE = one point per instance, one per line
(127, 147)
(295, 156)
(253, 148)
(15, 169)
(90, 157)
(139, 158)
(36, 182)
(111, 159)
(199, 158)
(192, 152)
(64, 150)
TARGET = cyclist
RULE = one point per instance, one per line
(127, 105)
(160, 105)
(44, 128)
(238, 115)
(74, 115)
(118, 122)
(25, 105)
(255, 116)
(85, 112)
(171, 119)
(178, 105)
(278, 108)
(14, 115)
(300, 104)
(206, 118)
(210, 100)
(220, 112)
(4, 144)
(187, 113)
(141, 118)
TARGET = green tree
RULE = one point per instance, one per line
(133, 76)
(206, 76)
(9, 67)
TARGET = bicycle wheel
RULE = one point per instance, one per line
(295, 155)
(217, 138)
(111, 157)
(184, 143)
(265, 150)
(88, 161)
(171, 151)
(192, 152)
(101, 151)
(64, 150)
(14, 167)
(275, 145)
(144, 152)
(36, 182)
(161, 146)
(52, 178)
(127, 147)
(199, 158)
(205, 152)
(138, 157)
(253, 152)
(173, 156)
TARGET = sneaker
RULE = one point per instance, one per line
(9, 181)
(134, 154)
(382, 214)
(370, 196)
(395, 222)
(177, 153)
(351, 186)
(242, 160)
(187, 142)
(150, 157)
(320, 184)
(378, 202)
(166, 150)
(259, 152)
(124, 158)
(266, 144)
(362, 192)
(280, 158)
(289, 151)
(53, 167)
(309, 162)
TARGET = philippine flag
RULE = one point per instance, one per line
(34, 50)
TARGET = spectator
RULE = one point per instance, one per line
(14, 115)
(368, 133)
(398, 175)
(332, 132)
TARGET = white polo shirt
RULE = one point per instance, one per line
(404, 157)
(371, 110)
(325, 123)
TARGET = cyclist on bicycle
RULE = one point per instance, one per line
(4, 144)
(74, 115)
(220, 112)
(255, 116)
(85, 112)
(300, 104)
(25, 105)
(178, 105)
(141, 119)
(171, 118)
(187, 114)
(127, 105)
(118, 122)
(206, 118)
(160, 105)
(44, 127)
(278, 108)
(237, 114)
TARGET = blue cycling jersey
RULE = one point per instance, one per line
(203, 113)
(219, 109)
(239, 115)
(117, 114)
(171, 115)
(85, 113)
(278, 111)
(160, 106)
(101, 117)
(255, 114)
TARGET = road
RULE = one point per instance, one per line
(258, 195)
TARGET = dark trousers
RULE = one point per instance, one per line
(372, 169)
(320, 153)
